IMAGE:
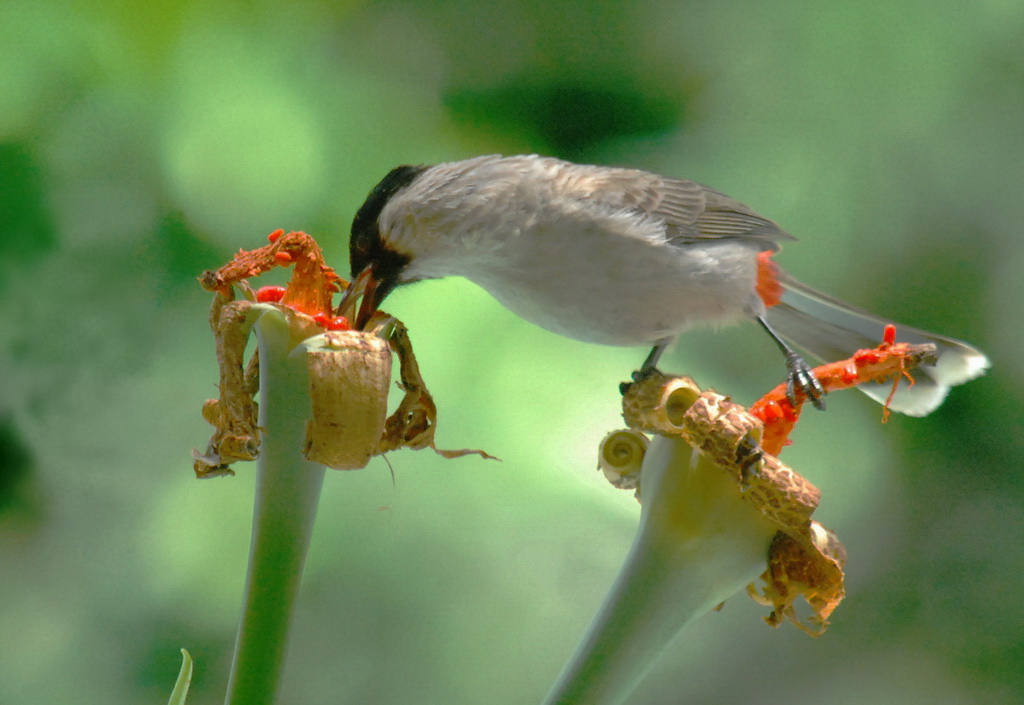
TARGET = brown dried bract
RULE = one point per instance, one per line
(413, 423)
(797, 570)
(233, 415)
(657, 403)
(621, 457)
(349, 378)
(805, 559)
(728, 435)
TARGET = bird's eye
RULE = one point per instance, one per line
(361, 242)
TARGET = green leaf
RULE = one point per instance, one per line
(180, 691)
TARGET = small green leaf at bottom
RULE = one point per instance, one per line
(180, 691)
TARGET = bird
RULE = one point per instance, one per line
(620, 256)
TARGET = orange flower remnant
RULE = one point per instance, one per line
(312, 285)
(890, 361)
(349, 374)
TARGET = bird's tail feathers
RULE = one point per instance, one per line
(831, 330)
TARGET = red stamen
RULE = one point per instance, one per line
(889, 336)
(273, 237)
(849, 374)
(771, 412)
(270, 294)
(866, 357)
(283, 257)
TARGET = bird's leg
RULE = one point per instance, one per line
(650, 365)
(799, 374)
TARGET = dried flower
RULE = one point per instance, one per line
(349, 372)
(804, 559)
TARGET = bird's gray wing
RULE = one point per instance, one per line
(690, 211)
(722, 216)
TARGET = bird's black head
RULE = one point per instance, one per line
(367, 249)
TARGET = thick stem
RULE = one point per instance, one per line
(287, 492)
(698, 544)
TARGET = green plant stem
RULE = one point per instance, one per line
(698, 544)
(287, 493)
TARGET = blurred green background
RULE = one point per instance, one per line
(142, 142)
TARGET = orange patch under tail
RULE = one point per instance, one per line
(768, 286)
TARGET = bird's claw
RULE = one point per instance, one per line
(637, 376)
(645, 371)
(801, 376)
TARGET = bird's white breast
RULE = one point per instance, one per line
(588, 281)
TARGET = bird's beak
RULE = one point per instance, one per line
(364, 284)
(368, 307)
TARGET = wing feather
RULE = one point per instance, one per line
(691, 212)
